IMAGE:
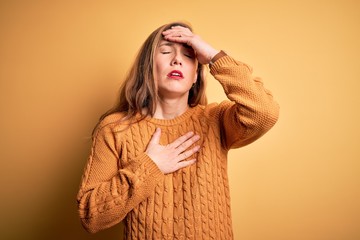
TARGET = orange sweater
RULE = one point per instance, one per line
(121, 182)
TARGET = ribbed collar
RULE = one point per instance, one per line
(179, 119)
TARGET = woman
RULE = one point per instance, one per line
(159, 157)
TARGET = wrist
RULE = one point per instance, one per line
(212, 54)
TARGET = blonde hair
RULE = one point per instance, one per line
(138, 92)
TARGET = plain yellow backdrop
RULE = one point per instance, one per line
(61, 63)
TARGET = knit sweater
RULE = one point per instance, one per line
(121, 182)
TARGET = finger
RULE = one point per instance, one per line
(155, 139)
(178, 38)
(176, 35)
(188, 153)
(185, 145)
(185, 164)
(181, 139)
(181, 29)
(178, 29)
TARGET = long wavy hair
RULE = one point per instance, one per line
(138, 93)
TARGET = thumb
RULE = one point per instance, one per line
(155, 139)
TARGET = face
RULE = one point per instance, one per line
(175, 68)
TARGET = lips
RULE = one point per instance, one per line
(176, 74)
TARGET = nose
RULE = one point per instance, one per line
(177, 59)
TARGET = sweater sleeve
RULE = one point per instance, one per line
(251, 111)
(108, 192)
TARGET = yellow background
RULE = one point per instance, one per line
(61, 63)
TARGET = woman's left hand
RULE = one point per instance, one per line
(179, 34)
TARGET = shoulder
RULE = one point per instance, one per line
(114, 122)
(213, 111)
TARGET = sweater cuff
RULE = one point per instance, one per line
(217, 56)
(148, 168)
(226, 61)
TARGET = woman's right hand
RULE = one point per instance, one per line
(171, 157)
(204, 51)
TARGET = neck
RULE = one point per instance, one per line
(170, 108)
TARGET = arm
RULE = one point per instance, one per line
(108, 192)
(252, 110)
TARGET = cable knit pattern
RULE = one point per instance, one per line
(121, 182)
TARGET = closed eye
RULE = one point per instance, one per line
(189, 55)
